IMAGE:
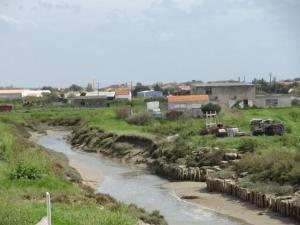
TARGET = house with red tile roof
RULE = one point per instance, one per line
(123, 93)
(187, 102)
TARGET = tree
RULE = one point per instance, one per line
(210, 107)
(47, 88)
(157, 87)
(75, 87)
(139, 88)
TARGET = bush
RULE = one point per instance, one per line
(122, 112)
(3, 151)
(210, 107)
(121, 102)
(23, 171)
(174, 115)
(158, 99)
(276, 166)
(247, 145)
(142, 118)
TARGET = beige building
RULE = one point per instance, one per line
(273, 101)
(227, 93)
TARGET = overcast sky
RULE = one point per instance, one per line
(60, 42)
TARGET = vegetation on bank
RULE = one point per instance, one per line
(264, 158)
(27, 171)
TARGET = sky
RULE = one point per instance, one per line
(61, 42)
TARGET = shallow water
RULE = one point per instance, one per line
(134, 185)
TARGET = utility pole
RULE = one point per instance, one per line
(98, 87)
(270, 82)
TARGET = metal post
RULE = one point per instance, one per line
(48, 202)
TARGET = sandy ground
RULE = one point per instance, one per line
(227, 205)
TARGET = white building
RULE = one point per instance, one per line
(123, 93)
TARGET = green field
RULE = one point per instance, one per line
(274, 159)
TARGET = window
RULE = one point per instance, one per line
(272, 102)
(208, 91)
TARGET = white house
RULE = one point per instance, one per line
(187, 102)
(123, 93)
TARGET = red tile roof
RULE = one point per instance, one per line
(122, 91)
(188, 98)
(11, 91)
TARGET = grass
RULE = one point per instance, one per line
(64, 214)
(22, 197)
(187, 129)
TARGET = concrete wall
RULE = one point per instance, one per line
(185, 105)
(128, 97)
(10, 95)
(223, 94)
(154, 106)
(282, 101)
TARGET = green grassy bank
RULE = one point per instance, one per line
(265, 159)
(27, 171)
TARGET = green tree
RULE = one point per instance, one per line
(75, 87)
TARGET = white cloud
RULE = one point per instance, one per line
(9, 20)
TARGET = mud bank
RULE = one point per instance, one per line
(134, 149)
(139, 150)
(196, 192)
(287, 206)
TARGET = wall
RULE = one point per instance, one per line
(186, 105)
(129, 96)
(283, 100)
(223, 94)
(284, 205)
(11, 95)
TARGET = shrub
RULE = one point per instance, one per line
(247, 145)
(210, 107)
(3, 151)
(142, 118)
(276, 166)
(23, 171)
(154, 99)
(122, 112)
(174, 115)
(121, 102)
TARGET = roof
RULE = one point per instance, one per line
(223, 84)
(102, 93)
(122, 91)
(188, 98)
(11, 91)
(148, 91)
